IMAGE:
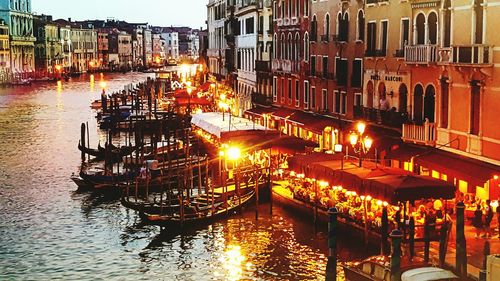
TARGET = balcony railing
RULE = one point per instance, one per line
(276, 65)
(444, 55)
(421, 54)
(472, 54)
(420, 134)
(387, 118)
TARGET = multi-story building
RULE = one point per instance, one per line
(336, 58)
(66, 44)
(103, 48)
(17, 15)
(48, 46)
(216, 38)
(84, 41)
(137, 45)
(4, 53)
(157, 48)
(433, 63)
(263, 92)
(147, 47)
(247, 15)
(125, 50)
(172, 44)
(387, 77)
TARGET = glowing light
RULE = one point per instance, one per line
(379, 202)
(91, 64)
(361, 128)
(368, 142)
(323, 183)
(58, 67)
(385, 204)
(292, 174)
(368, 198)
(221, 153)
(233, 153)
(353, 138)
(103, 84)
(338, 147)
(362, 197)
(495, 177)
(222, 97)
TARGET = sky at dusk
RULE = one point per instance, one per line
(156, 12)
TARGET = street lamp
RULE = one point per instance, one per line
(223, 106)
(189, 91)
(361, 144)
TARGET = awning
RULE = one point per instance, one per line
(259, 110)
(387, 184)
(475, 172)
(192, 101)
(315, 123)
(258, 140)
(283, 113)
(215, 124)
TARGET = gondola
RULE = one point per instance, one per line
(116, 152)
(94, 179)
(198, 213)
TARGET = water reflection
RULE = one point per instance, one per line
(49, 231)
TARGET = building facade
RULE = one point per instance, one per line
(172, 45)
(217, 44)
(17, 15)
(48, 46)
(5, 70)
(125, 50)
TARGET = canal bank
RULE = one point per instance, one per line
(49, 231)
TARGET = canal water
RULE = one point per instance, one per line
(48, 230)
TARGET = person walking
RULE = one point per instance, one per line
(488, 217)
(477, 222)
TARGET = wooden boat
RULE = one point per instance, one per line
(377, 268)
(116, 152)
(198, 212)
(98, 179)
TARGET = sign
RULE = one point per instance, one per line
(389, 78)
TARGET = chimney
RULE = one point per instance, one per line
(69, 19)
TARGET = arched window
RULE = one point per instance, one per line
(275, 46)
(429, 103)
(306, 47)
(297, 47)
(289, 44)
(314, 29)
(432, 26)
(420, 35)
(361, 25)
(282, 51)
(327, 25)
(418, 95)
(344, 28)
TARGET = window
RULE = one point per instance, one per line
(261, 25)
(343, 27)
(289, 90)
(275, 90)
(313, 97)
(383, 45)
(327, 26)
(420, 22)
(432, 27)
(324, 99)
(405, 33)
(306, 94)
(475, 107)
(297, 93)
(306, 8)
(357, 73)
(325, 67)
(313, 65)
(447, 23)
(249, 28)
(306, 47)
(275, 44)
(372, 35)
(343, 108)
(444, 102)
(361, 26)
(478, 16)
(314, 29)
(275, 9)
(341, 71)
(337, 102)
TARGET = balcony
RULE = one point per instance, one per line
(392, 119)
(472, 54)
(421, 54)
(262, 66)
(420, 134)
(444, 55)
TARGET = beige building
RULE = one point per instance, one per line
(4, 53)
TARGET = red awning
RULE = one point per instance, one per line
(283, 113)
(259, 110)
(184, 101)
(315, 123)
(475, 172)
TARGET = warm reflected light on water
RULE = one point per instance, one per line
(92, 82)
(232, 261)
(59, 86)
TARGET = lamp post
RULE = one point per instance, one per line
(361, 144)
(189, 91)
